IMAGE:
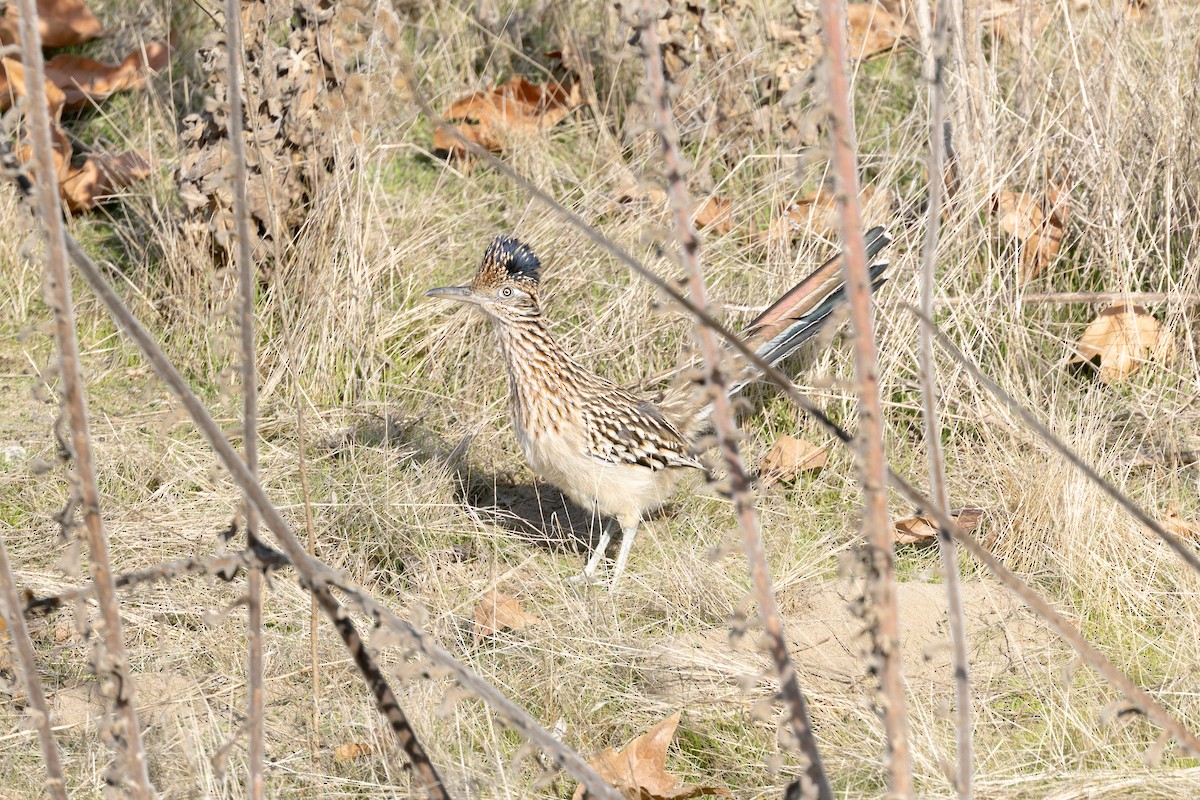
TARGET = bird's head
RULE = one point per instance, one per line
(506, 285)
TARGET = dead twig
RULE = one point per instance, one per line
(246, 276)
(110, 662)
(816, 784)
(881, 612)
(936, 63)
(35, 697)
(225, 566)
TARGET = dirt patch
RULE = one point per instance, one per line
(827, 644)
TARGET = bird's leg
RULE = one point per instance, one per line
(627, 535)
(589, 572)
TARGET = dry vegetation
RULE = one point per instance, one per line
(419, 493)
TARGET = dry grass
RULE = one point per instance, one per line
(419, 489)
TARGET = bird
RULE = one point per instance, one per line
(613, 450)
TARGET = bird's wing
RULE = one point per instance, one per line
(625, 430)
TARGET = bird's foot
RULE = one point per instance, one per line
(585, 578)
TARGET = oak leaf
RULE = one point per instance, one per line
(1036, 223)
(12, 86)
(1121, 339)
(1181, 527)
(873, 30)
(83, 80)
(498, 612)
(100, 177)
(62, 23)
(515, 106)
(789, 457)
(639, 770)
(715, 213)
(921, 530)
(350, 751)
(818, 213)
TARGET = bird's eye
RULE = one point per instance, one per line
(506, 291)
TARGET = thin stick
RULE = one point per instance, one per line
(939, 53)
(883, 616)
(314, 611)
(241, 216)
(35, 697)
(817, 784)
(1171, 298)
(110, 661)
(224, 566)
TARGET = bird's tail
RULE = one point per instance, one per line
(798, 315)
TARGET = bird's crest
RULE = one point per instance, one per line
(509, 258)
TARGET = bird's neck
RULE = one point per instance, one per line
(542, 376)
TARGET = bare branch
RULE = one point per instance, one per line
(246, 277)
(816, 784)
(38, 712)
(936, 63)
(110, 662)
(884, 620)
(225, 566)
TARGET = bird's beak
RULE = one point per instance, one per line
(461, 293)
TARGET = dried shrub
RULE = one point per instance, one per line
(301, 97)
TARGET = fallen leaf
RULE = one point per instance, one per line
(517, 105)
(62, 23)
(1183, 528)
(789, 457)
(1037, 223)
(921, 530)
(873, 30)
(639, 771)
(1004, 18)
(350, 751)
(818, 213)
(500, 612)
(1121, 339)
(12, 86)
(100, 177)
(715, 213)
(84, 81)
(62, 153)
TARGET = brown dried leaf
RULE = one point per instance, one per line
(62, 23)
(12, 86)
(87, 186)
(922, 530)
(1037, 223)
(789, 457)
(500, 612)
(715, 213)
(818, 213)
(83, 80)
(1003, 18)
(873, 30)
(350, 751)
(1183, 528)
(62, 153)
(1121, 339)
(639, 771)
(516, 106)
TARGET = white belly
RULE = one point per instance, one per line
(623, 491)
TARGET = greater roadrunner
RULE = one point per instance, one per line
(608, 449)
